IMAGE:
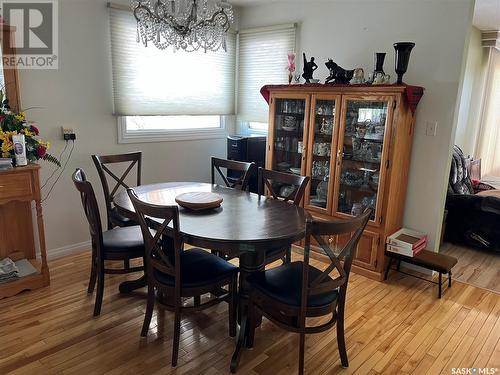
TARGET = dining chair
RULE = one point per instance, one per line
(102, 162)
(272, 180)
(246, 171)
(290, 293)
(119, 243)
(177, 273)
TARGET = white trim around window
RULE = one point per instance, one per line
(148, 136)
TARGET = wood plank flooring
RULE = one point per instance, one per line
(397, 327)
(480, 268)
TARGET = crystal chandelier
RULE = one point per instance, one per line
(187, 25)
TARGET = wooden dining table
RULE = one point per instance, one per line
(246, 225)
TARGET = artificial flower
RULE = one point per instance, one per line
(15, 123)
(41, 151)
(21, 116)
(291, 62)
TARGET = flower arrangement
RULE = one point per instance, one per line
(15, 123)
(290, 66)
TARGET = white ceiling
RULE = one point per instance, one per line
(487, 14)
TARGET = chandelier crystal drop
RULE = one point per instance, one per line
(187, 25)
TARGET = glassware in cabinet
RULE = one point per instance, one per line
(288, 137)
(362, 149)
(319, 155)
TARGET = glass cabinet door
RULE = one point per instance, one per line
(288, 137)
(361, 147)
(321, 153)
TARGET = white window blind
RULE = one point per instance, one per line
(149, 81)
(262, 60)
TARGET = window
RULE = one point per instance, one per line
(158, 93)
(133, 129)
(258, 126)
(262, 60)
(155, 123)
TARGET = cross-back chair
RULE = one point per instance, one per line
(271, 179)
(121, 244)
(102, 163)
(246, 170)
(290, 293)
(179, 273)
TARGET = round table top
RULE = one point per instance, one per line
(244, 218)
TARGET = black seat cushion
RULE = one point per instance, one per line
(118, 219)
(284, 284)
(123, 239)
(198, 268)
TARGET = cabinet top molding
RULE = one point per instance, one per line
(413, 93)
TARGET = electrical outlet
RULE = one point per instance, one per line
(68, 134)
(431, 128)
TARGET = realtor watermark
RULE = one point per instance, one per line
(32, 27)
(474, 371)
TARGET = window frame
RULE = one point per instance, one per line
(149, 136)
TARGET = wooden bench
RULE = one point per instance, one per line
(430, 260)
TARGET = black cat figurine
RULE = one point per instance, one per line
(338, 74)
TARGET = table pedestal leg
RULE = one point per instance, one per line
(249, 262)
(130, 286)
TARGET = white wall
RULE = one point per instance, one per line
(79, 95)
(351, 31)
(472, 94)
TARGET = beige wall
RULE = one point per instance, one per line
(351, 31)
(472, 94)
(79, 95)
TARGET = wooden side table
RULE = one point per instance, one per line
(18, 188)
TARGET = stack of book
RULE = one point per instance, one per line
(5, 163)
(406, 242)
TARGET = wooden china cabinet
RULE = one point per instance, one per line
(354, 142)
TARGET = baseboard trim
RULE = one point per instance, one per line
(69, 250)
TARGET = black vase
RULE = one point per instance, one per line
(403, 50)
(379, 63)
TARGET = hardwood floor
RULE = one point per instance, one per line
(480, 268)
(398, 327)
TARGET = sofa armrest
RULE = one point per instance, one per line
(473, 202)
(491, 204)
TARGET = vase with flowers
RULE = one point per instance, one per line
(291, 66)
(11, 124)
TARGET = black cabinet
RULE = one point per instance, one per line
(249, 149)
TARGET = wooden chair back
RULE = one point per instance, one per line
(102, 161)
(268, 177)
(163, 246)
(90, 205)
(316, 229)
(247, 171)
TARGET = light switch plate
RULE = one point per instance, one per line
(431, 128)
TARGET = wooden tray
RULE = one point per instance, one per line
(199, 200)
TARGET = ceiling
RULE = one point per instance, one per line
(487, 14)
